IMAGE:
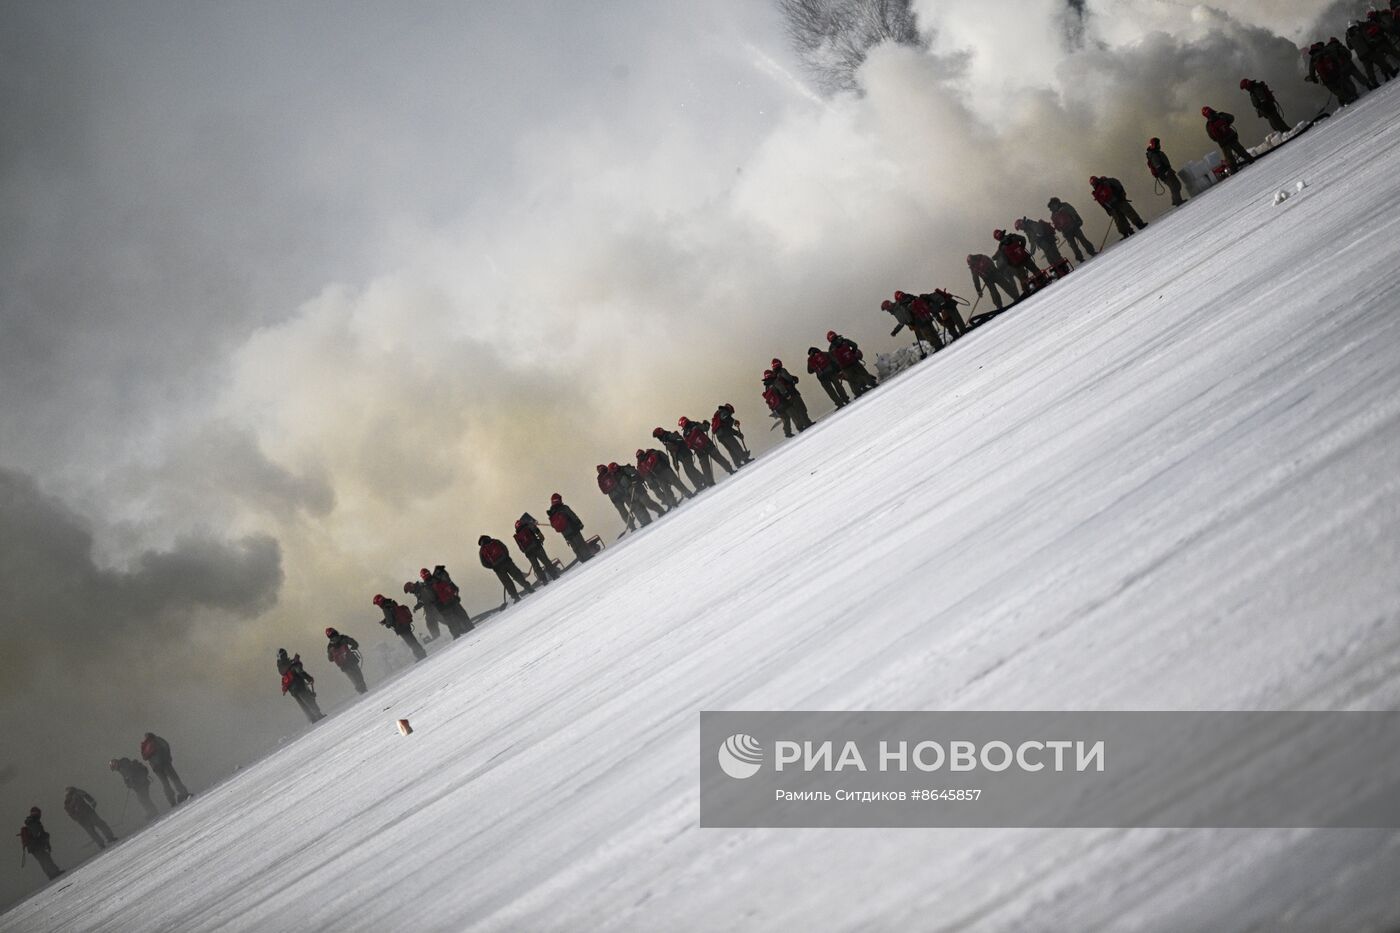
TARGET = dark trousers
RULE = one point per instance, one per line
(509, 575)
(357, 677)
(834, 390)
(1122, 212)
(797, 411)
(45, 861)
(542, 565)
(1231, 149)
(643, 505)
(1051, 251)
(692, 473)
(621, 505)
(928, 333)
(1276, 121)
(406, 634)
(665, 476)
(456, 619)
(991, 282)
(143, 797)
(1075, 238)
(858, 378)
(737, 453)
(307, 701)
(170, 782)
(432, 619)
(97, 828)
(704, 458)
(1174, 187)
(582, 550)
(1025, 270)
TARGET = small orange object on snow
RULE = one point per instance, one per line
(404, 727)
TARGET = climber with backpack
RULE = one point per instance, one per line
(495, 556)
(398, 619)
(300, 684)
(566, 521)
(344, 652)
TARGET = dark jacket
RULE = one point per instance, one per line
(1158, 164)
(79, 804)
(1066, 219)
(134, 774)
(572, 523)
(1262, 97)
(339, 648)
(33, 836)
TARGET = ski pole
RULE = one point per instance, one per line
(121, 820)
(920, 344)
(1105, 235)
(973, 310)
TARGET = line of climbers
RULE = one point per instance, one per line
(81, 806)
(653, 486)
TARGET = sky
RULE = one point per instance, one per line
(297, 298)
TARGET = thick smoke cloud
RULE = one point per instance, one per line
(292, 306)
(65, 619)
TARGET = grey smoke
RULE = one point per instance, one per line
(833, 37)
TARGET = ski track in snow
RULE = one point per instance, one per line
(1168, 483)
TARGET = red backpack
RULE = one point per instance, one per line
(1015, 253)
(921, 311)
(403, 615)
(771, 396)
(444, 591)
(696, 440)
(148, 749)
(559, 522)
(1061, 220)
(1104, 193)
(524, 538)
(1218, 129)
(339, 654)
(288, 679)
(819, 361)
(607, 482)
(846, 355)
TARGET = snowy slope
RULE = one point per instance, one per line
(1170, 482)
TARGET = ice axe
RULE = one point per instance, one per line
(1105, 236)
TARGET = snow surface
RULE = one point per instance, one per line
(1170, 482)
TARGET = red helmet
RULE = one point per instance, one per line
(830, 335)
(379, 599)
(331, 633)
(518, 523)
(641, 453)
(898, 296)
(886, 305)
(1153, 143)
(1020, 224)
(768, 374)
(777, 363)
(1245, 82)
(424, 573)
(35, 811)
(998, 234)
(112, 765)
(969, 259)
(486, 539)
(1317, 47)
(682, 421)
(1093, 179)
(408, 587)
(556, 499)
(613, 467)
(658, 432)
(1206, 112)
